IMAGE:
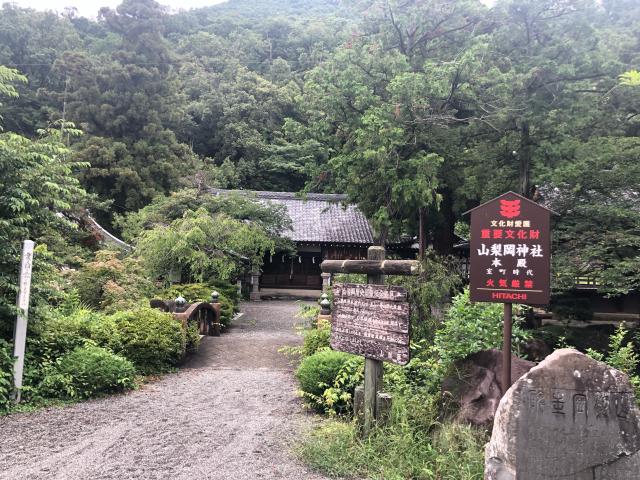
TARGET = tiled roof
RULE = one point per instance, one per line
(318, 217)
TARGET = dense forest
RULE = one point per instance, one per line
(416, 110)
(407, 107)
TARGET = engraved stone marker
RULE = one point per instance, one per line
(570, 418)
(371, 320)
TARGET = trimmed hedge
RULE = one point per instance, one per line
(317, 372)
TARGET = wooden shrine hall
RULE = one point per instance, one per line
(323, 228)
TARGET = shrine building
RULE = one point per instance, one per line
(323, 227)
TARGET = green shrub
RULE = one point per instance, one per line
(61, 333)
(153, 340)
(308, 314)
(318, 372)
(337, 399)
(6, 374)
(471, 327)
(192, 337)
(316, 339)
(86, 372)
(227, 310)
(430, 291)
(111, 283)
(621, 355)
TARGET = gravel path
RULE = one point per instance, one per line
(232, 413)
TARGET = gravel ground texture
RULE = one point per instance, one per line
(230, 413)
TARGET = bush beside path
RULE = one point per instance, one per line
(231, 413)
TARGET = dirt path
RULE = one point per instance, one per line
(232, 413)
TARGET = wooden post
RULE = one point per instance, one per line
(506, 348)
(383, 408)
(373, 369)
(358, 404)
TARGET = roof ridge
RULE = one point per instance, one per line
(329, 197)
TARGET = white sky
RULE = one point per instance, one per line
(89, 8)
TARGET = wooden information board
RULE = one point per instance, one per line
(372, 321)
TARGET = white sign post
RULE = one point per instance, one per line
(20, 331)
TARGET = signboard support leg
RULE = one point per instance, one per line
(372, 385)
(373, 369)
(506, 348)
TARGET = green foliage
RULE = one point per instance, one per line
(201, 292)
(192, 338)
(309, 313)
(41, 183)
(337, 398)
(6, 374)
(318, 372)
(629, 79)
(203, 246)
(471, 327)
(621, 355)
(111, 283)
(9, 76)
(86, 372)
(164, 210)
(598, 214)
(352, 103)
(446, 451)
(430, 291)
(401, 105)
(62, 332)
(151, 339)
(316, 339)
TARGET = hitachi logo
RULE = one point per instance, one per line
(508, 296)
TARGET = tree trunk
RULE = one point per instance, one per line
(443, 234)
(422, 236)
(525, 161)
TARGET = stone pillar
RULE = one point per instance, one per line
(325, 311)
(254, 296)
(216, 326)
(326, 281)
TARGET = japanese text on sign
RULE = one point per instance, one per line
(510, 251)
(371, 320)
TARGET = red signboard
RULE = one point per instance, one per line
(510, 251)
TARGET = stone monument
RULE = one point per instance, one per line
(570, 418)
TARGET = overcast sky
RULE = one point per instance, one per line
(89, 8)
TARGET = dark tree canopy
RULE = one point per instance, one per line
(405, 106)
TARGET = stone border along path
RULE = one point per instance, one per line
(231, 413)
